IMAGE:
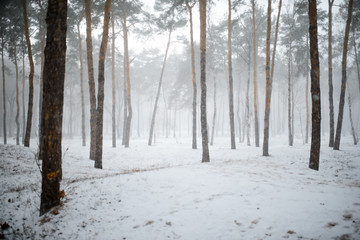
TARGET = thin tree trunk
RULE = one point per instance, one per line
(113, 92)
(52, 108)
(31, 78)
(315, 88)
(17, 97)
(204, 130)
(307, 90)
(83, 131)
(247, 112)
(23, 98)
(158, 91)
(89, 52)
(194, 142)
(353, 132)
(127, 78)
(231, 88)
(255, 80)
(101, 83)
(289, 99)
(331, 101)
(214, 115)
(343, 79)
(268, 84)
(4, 87)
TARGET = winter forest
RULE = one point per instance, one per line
(180, 119)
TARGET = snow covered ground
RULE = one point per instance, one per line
(164, 192)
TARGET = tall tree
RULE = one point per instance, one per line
(231, 94)
(343, 77)
(204, 131)
(4, 85)
(31, 77)
(90, 65)
(315, 88)
(101, 83)
(256, 118)
(331, 100)
(53, 99)
(194, 104)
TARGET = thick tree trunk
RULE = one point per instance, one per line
(194, 104)
(17, 97)
(127, 88)
(53, 99)
(101, 84)
(331, 101)
(268, 84)
(31, 78)
(113, 85)
(315, 88)
(89, 51)
(256, 118)
(343, 79)
(4, 88)
(231, 88)
(204, 130)
(83, 131)
(158, 91)
(353, 132)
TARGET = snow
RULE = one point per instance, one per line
(165, 192)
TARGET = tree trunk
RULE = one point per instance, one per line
(331, 101)
(255, 80)
(214, 115)
(343, 79)
(83, 130)
(231, 88)
(127, 88)
(52, 108)
(353, 132)
(315, 88)
(31, 78)
(101, 84)
(89, 52)
(204, 130)
(289, 98)
(247, 111)
(42, 60)
(158, 91)
(17, 97)
(23, 98)
(4, 88)
(307, 90)
(113, 85)
(268, 84)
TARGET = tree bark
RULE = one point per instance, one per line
(204, 130)
(101, 84)
(127, 88)
(194, 104)
(23, 98)
(268, 84)
(53, 99)
(231, 88)
(158, 91)
(31, 78)
(353, 132)
(343, 78)
(113, 85)
(89, 51)
(83, 131)
(315, 88)
(4, 88)
(255, 80)
(331, 101)
(17, 97)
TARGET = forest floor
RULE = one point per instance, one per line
(165, 192)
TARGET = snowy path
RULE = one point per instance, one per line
(239, 195)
